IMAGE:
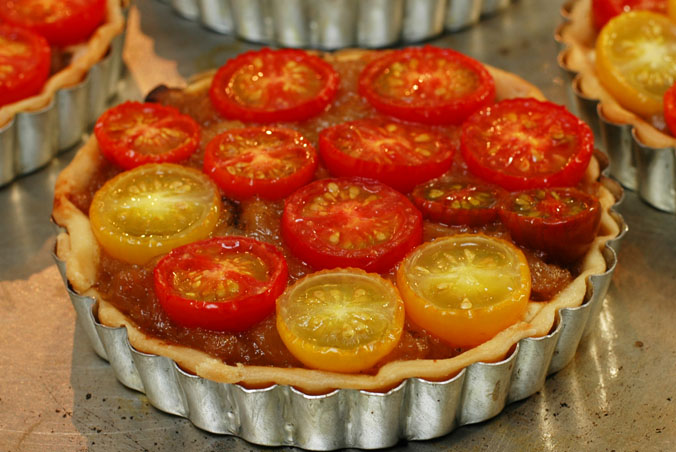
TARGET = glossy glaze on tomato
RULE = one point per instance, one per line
(129, 287)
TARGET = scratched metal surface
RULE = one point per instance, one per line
(619, 393)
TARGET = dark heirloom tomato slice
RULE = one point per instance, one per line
(350, 222)
(559, 221)
(670, 109)
(269, 162)
(397, 154)
(24, 63)
(62, 22)
(525, 143)
(273, 85)
(133, 134)
(604, 10)
(457, 201)
(224, 283)
(427, 84)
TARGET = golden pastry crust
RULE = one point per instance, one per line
(84, 56)
(579, 37)
(79, 249)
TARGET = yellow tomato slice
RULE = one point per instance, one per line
(341, 320)
(671, 9)
(636, 60)
(465, 288)
(152, 209)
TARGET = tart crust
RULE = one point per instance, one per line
(79, 249)
(84, 56)
(579, 36)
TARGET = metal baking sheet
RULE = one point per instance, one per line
(56, 394)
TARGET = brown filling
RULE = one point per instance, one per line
(130, 287)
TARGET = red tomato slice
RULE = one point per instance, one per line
(457, 201)
(427, 84)
(559, 221)
(268, 162)
(133, 134)
(273, 85)
(604, 10)
(670, 109)
(61, 22)
(399, 155)
(350, 222)
(25, 58)
(525, 143)
(224, 283)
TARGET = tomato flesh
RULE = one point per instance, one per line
(525, 143)
(224, 283)
(604, 10)
(133, 134)
(670, 109)
(427, 84)
(457, 201)
(465, 288)
(342, 320)
(397, 154)
(273, 85)
(61, 22)
(562, 222)
(350, 222)
(260, 161)
(148, 211)
(25, 58)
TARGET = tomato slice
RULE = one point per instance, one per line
(273, 85)
(148, 211)
(559, 221)
(260, 161)
(604, 10)
(133, 134)
(61, 22)
(25, 58)
(465, 288)
(343, 320)
(350, 222)
(635, 55)
(427, 84)
(670, 108)
(458, 201)
(223, 284)
(526, 143)
(397, 154)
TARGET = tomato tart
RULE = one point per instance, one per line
(235, 264)
(620, 54)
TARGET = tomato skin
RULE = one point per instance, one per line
(403, 171)
(226, 101)
(428, 109)
(240, 187)
(513, 124)
(454, 202)
(670, 109)
(304, 234)
(552, 227)
(70, 21)
(32, 69)
(146, 118)
(604, 10)
(236, 314)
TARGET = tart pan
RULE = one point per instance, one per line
(32, 138)
(416, 409)
(648, 170)
(334, 24)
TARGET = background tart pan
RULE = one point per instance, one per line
(334, 24)
(416, 409)
(648, 170)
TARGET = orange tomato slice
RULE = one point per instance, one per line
(465, 288)
(341, 320)
(152, 209)
(636, 60)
